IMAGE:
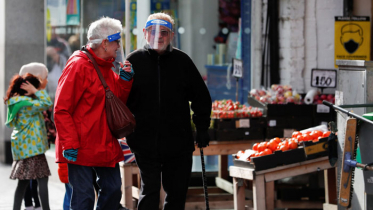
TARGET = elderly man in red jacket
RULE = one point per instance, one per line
(84, 140)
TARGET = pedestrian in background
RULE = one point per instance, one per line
(26, 101)
(165, 81)
(40, 71)
(84, 140)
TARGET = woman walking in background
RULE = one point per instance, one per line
(25, 103)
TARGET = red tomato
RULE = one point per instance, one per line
(295, 134)
(326, 134)
(255, 146)
(284, 148)
(307, 137)
(267, 151)
(262, 147)
(277, 139)
(293, 145)
(272, 145)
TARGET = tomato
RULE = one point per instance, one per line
(277, 139)
(272, 145)
(284, 148)
(296, 134)
(267, 151)
(326, 134)
(293, 145)
(255, 146)
(307, 137)
(262, 147)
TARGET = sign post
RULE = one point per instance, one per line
(324, 78)
(237, 72)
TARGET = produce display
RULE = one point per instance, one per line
(317, 99)
(277, 144)
(277, 94)
(225, 109)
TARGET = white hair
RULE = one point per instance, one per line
(162, 16)
(102, 28)
(34, 68)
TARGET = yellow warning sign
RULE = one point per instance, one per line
(352, 38)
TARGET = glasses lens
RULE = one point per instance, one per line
(163, 33)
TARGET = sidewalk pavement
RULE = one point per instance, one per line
(56, 189)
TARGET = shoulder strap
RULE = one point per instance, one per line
(96, 67)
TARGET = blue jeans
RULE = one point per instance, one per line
(83, 195)
(67, 199)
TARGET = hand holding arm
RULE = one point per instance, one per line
(126, 71)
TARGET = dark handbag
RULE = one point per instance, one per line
(120, 120)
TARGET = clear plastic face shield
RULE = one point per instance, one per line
(158, 35)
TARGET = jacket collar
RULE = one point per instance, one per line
(99, 61)
(154, 53)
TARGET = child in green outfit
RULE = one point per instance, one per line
(26, 102)
(39, 70)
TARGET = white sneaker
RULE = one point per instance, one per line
(29, 208)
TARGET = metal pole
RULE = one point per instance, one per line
(128, 27)
(237, 89)
(347, 112)
(204, 180)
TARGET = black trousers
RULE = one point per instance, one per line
(173, 173)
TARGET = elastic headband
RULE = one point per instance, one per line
(110, 38)
(113, 37)
(159, 22)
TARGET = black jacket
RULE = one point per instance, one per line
(163, 86)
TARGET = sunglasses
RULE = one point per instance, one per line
(163, 33)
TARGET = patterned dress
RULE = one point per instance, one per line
(29, 137)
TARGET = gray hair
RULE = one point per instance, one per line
(102, 28)
(37, 69)
(162, 16)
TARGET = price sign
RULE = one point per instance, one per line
(321, 108)
(244, 123)
(324, 78)
(237, 68)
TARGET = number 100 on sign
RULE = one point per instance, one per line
(323, 78)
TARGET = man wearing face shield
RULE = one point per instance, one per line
(83, 139)
(164, 83)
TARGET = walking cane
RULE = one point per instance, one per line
(204, 180)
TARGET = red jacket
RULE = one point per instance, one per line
(79, 111)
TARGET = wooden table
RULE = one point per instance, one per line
(223, 149)
(263, 183)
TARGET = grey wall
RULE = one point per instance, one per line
(24, 42)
